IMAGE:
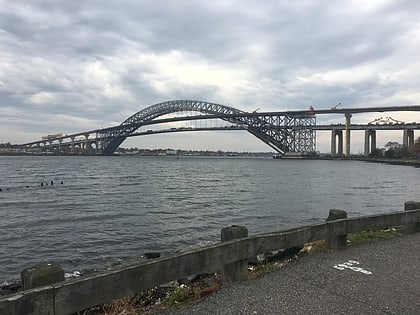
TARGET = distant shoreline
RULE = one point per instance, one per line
(396, 161)
(407, 162)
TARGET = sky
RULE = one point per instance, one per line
(71, 66)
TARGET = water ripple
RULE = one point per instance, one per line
(112, 210)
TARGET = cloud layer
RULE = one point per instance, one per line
(67, 66)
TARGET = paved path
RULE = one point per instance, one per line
(380, 277)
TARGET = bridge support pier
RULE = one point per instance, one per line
(348, 117)
(60, 143)
(370, 141)
(408, 137)
(334, 135)
(72, 145)
(86, 144)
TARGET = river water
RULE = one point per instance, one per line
(102, 211)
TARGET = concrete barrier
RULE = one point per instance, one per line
(41, 275)
(336, 241)
(72, 296)
(236, 271)
(415, 226)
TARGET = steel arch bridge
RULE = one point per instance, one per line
(284, 132)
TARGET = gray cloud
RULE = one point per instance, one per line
(85, 64)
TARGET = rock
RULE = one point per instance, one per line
(150, 297)
(209, 290)
(9, 288)
(280, 254)
(152, 255)
(187, 280)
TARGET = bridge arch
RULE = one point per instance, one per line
(264, 128)
(169, 107)
(111, 139)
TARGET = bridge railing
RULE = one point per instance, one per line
(71, 296)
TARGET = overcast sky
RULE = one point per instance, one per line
(70, 66)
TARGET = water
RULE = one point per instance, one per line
(114, 209)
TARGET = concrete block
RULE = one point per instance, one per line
(415, 226)
(41, 275)
(334, 241)
(236, 271)
(233, 232)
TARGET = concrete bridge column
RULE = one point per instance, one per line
(373, 141)
(408, 137)
(370, 141)
(348, 117)
(72, 145)
(333, 142)
(60, 141)
(96, 146)
(334, 150)
(85, 148)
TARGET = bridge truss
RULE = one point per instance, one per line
(283, 132)
(291, 131)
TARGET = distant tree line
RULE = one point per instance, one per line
(8, 145)
(396, 150)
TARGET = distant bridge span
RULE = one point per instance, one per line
(261, 126)
(286, 131)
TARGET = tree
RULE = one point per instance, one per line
(392, 145)
(415, 149)
(392, 149)
(377, 153)
(396, 150)
(6, 145)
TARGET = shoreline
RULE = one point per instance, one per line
(396, 161)
(406, 162)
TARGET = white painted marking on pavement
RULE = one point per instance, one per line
(350, 265)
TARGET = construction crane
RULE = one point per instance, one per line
(335, 106)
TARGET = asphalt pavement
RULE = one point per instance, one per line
(377, 277)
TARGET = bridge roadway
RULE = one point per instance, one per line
(282, 130)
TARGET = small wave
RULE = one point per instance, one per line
(107, 208)
(70, 219)
(196, 246)
(129, 184)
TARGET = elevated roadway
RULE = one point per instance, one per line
(284, 131)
